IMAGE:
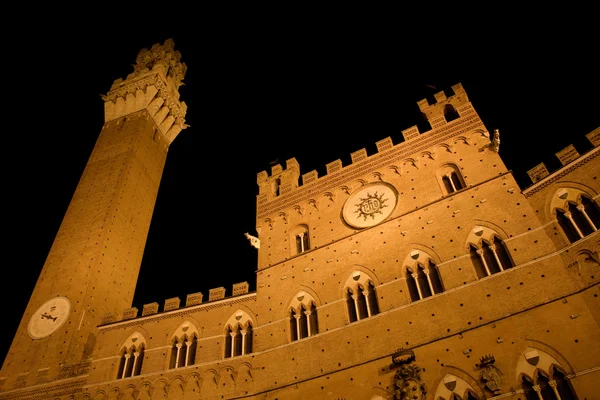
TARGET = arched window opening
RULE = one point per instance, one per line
(122, 363)
(351, 306)
(590, 208)
(563, 387)
(451, 179)
(412, 286)
(361, 297)
(300, 237)
(450, 113)
(238, 341)
(423, 282)
(303, 331)
(228, 342)
(501, 254)
(139, 359)
(294, 325)
(313, 322)
(490, 257)
(277, 187)
(248, 338)
(372, 300)
(567, 226)
(539, 390)
(434, 277)
(477, 262)
(192, 346)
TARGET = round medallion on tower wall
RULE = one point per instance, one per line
(49, 317)
(370, 205)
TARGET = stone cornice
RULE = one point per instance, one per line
(469, 122)
(557, 175)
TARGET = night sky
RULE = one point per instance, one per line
(257, 93)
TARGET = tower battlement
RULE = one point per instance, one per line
(453, 117)
(152, 86)
(445, 108)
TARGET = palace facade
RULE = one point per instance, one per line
(420, 272)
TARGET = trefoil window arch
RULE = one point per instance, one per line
(361, 297)
(238, 335)
(303, 317)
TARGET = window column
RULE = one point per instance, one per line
(243, 332)
(449, 176)
(233, 335)
(187, 351)
(570, 217)
(554, 387)
(538, 390)
(366, 295)
(480, 252)
(493, 248)
(135, 361)
(298, 316)
(416, 278)
(125, 365)
(581, 208)
(178, 345)
(307, 313)
(426, 271)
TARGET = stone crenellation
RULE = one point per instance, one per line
(283, 181)
(174, 303)
(461, 125)
(566, 156)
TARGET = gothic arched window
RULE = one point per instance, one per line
(490, 257)
(451, 179)
(300, 239)
(578, 219)
(303, 317)
(131, 362)
(361, 297)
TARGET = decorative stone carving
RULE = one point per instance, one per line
(408, 383)
(490, 374)
(407, 380)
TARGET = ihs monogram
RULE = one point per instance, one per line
(370, 206)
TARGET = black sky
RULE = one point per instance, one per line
(257, 92)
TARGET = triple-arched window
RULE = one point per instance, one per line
(183, 351)
(361, 297)
(422, 276)
(238, 335)
(489, 257)
(131, 362)
(578, 218)
(131, 356)
(303, 316)
(423, 281)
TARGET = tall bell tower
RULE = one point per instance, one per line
(93, 264)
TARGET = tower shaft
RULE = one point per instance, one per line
(96, 256)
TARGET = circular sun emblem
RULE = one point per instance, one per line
(370, 205)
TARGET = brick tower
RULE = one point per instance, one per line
(84, 275)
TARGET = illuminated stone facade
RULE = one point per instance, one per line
(420, 272)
